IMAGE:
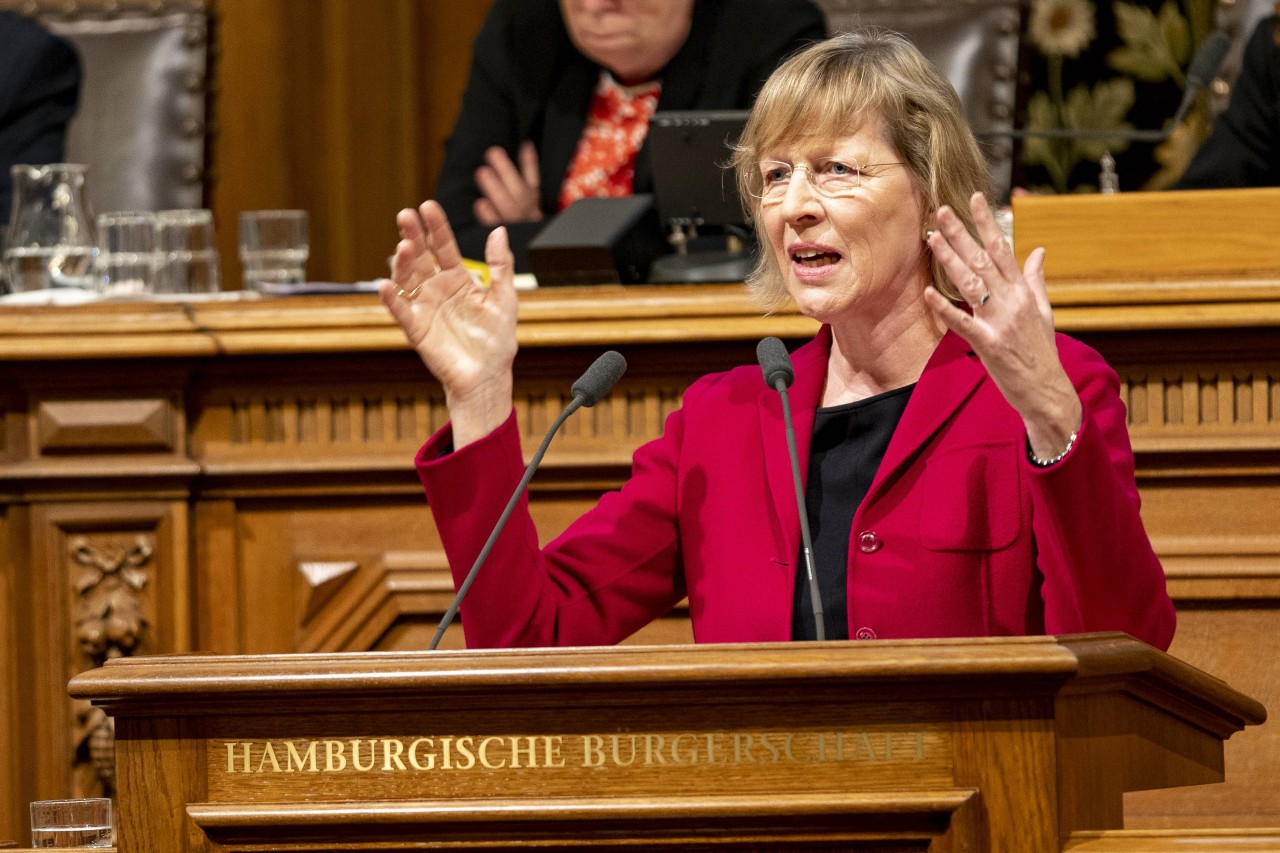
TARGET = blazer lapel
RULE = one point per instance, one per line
(952, 374)
(563, 122)
(810, 365)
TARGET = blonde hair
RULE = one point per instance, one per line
(826, 92)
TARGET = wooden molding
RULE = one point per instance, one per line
(292, 425)
(323, 580)
(1175, 841)
(1176, 237)
(908, 820)
(356, 616)
(95, 426)
(996, 743)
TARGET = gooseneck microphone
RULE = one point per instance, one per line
(775, 364)
(1200, 73)
(1203, 68)
(587, 391)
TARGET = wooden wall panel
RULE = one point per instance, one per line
(339, 108)
(288, 440)
(11, 692)
(110, 579)
(1232, 638)
(365, 574)
(443, 60)
(12, 546)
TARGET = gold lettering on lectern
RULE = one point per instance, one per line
(269, 755)
(295, 757)
(424, 743)
(621, 750)
(355, 755)
(391, 750)
(243, 749)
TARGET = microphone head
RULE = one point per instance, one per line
(1208, 59)
(599, 378)
(775, 363)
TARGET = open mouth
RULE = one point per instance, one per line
(814, 258)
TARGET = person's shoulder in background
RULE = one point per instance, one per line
(770, 19)
(762, 33)
(39, 91)
(1243, 149)
(525, 42)
(35, 65)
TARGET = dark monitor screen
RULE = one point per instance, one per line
(690, 152)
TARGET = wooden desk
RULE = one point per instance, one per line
(1001, 745)
(236, 478)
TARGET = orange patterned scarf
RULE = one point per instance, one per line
(605, 162)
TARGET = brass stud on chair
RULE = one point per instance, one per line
(195, 34)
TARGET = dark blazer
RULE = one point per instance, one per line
(528, 81)
(39, 89)
(958, 536)
(1244, 148)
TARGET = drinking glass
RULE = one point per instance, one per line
(127, 257)
(274, 247)
(71, 823)
(188, 254)
(5, 287)
(50, 242)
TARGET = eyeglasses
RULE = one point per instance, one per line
(830, 178)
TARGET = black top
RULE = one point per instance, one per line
(1243, 150)
(528, 81)
(848, 443)
(39, 88)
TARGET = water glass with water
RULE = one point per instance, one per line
(188, 256)
(127, 257)
(274, 246)
(50, 242)
(5, 286)
(71, 823)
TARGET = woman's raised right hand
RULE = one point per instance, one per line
(464, 333)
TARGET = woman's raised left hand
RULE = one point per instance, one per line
(1011, 324)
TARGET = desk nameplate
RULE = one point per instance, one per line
(614, 752)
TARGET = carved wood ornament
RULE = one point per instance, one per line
(109, 623)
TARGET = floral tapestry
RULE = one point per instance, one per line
(1111, 65)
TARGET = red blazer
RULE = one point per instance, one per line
(959, 535)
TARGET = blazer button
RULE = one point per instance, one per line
(869, 542)
(864, 634)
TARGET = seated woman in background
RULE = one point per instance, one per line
(560, 93)
(969, 471)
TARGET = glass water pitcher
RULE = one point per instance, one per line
(50, 242)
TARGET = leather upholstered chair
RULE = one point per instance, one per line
(141, 125)
(975, 43)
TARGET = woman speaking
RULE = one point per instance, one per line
(968, 471)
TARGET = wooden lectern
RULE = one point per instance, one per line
(1006, 744)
